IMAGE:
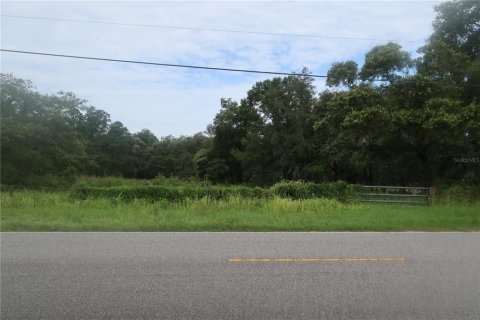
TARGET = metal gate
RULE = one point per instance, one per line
(408, 196)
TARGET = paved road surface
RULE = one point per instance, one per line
(188, 276)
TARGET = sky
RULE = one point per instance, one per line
(175, 101)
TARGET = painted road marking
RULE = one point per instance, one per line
(315, 259)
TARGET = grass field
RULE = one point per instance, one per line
(56, 211)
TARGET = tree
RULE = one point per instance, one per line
(458, 25)
(144, 152)
(342, 73)
(351, 129)
(177, 156)
(441, 62)
(118, 151)
(453, 51)
(385, 62)
(94, 123)
(229, 130)
(39, 139)
(285, 106)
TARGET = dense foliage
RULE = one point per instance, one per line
(34, 210)
(47, 139)
(293, 190)
(394, 120)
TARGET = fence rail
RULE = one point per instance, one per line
(408, 196)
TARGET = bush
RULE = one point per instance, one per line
(173, 194)
(306, 190)
(288, 189)
(292, 189)
(103, 182)
(161, 180)
(458, 193)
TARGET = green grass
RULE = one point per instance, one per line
(44, 211)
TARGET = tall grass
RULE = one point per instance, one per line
(110, 182)
(45, 199)
(458, 193)
(125, 182)
(56, 211)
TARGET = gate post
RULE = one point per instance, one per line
(432, 195)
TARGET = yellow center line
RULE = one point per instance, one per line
(315, 259)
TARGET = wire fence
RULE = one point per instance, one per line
(407, 196)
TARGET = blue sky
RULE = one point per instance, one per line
(184, 101)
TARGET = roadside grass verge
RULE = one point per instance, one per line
(56, 211)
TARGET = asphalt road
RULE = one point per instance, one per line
(188, 276)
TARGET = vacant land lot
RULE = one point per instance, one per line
(58, 211)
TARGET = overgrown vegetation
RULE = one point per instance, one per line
(167, 204)
(160, 189)
(29, 210)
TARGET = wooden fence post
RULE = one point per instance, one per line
(432, 195)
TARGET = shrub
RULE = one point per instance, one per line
(292, 190)
(338, 190)
(161, 180)
(109, 182)
(458, 193)
(295, 190)
(173, 194)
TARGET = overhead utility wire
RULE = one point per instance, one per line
(163, 64)
(208, 29)
(199, 67)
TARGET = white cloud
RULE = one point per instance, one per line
(182, 101)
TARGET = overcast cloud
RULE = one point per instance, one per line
(184, 101)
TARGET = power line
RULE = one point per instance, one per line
(163, 64)
(208, 29)
(202, 67)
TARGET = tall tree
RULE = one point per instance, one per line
(458, 25)
(385, 62)
(39, 139)
(342, 73)
(118, 149)
(229, 130)
(285, 106)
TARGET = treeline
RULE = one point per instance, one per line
(52, 139)
(394, 120)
